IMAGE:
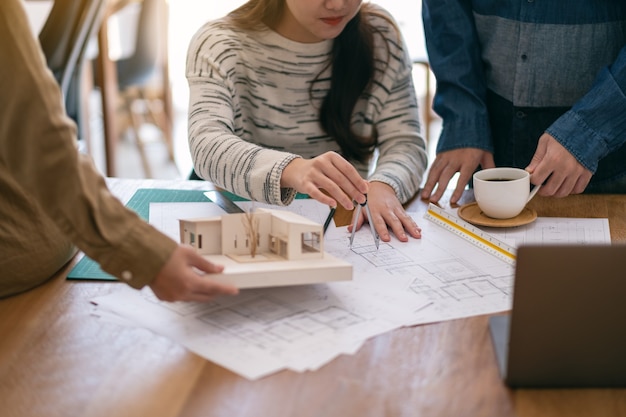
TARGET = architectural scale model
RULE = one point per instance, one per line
(264, 248)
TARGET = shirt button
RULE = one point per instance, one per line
(524, 57)
(520, 114)
(127, 275)
(531, 1)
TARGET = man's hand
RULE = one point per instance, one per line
(447, 164)
(185, 278)
(557, 169)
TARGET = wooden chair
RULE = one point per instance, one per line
(142, 100)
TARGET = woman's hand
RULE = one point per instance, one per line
(329, 172)
(387, 212)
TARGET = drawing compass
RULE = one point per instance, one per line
(369, 217)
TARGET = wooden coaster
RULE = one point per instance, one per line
(471, 213)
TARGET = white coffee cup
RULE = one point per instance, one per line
(502, 193)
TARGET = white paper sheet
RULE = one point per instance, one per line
(438, 277)
(259, 332)
(459, 279)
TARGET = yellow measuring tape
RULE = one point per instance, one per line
(471, 233)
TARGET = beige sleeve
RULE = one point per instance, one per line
(38, 151)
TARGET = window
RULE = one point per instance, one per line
(311, 242)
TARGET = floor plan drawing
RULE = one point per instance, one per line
(556, 230)
(262, 331)
(458, 278)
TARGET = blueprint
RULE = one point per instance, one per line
(555, 230)
(458, 278)
(258, 332)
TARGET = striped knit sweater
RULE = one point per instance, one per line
(251, 112)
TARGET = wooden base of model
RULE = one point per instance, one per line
(280, 272)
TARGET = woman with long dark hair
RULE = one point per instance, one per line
(302, 96)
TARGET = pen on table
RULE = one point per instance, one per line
(329, 218)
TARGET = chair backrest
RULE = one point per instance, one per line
(64, 38)
(151, 33)
(65, 35)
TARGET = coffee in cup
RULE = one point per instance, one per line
(502, 193)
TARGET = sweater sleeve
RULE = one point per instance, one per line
(219, 153)
(402, 156)
(38, 151)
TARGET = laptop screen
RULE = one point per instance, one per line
(567, 327)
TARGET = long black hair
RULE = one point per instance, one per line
(353, 70)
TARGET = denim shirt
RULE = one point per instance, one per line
(557, 66)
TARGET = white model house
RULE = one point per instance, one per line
(289, 248)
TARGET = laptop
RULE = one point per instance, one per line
(567, 326)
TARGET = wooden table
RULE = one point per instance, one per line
(57, 360)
